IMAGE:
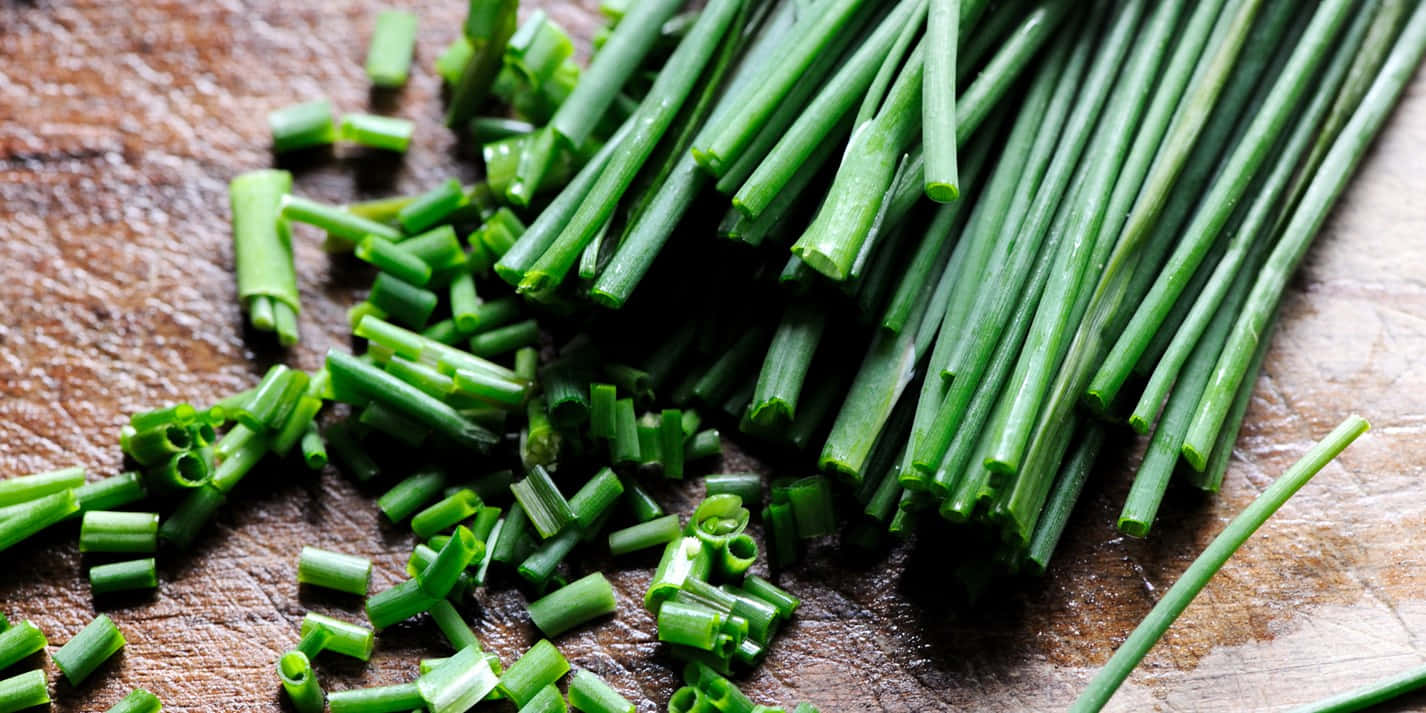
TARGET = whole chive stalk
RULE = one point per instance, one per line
(1196, 577)
(388, 58)
(1368, 695)
(938, 102)
(785, 367)
(262, 252)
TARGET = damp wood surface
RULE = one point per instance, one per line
(120, 125)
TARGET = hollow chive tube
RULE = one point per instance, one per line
(182, 471)
(595, 496)
(26, 690)
(92, 646)
(441, 249)
(758, 587)
(689, 625)
(704, 444)
(314, 641)
(397, 604)
(602, 410)
(540, 565)
(32, 487)
(411, 345)
(392, 259)
(379, 699)
(393, 40)
(158, 444)
(313, 447)
(20, 641)
(657, 531)
(346, 638)
(123, 576)
(452, 625)
(262, 247)
(112, 492)
(509, 546)
(348, 454)
(546, 508)
(591, 694)
(671, 441)
(179, 413)
(737, 555)
(407, 496)
(641, 504)
(465, 303)
(184, 524)
(301, 126)
(267, 398)
(409, 400)
(718, 518)
(689, 700)
(761, 616)
(547, 700)
(505, 339)
(300, 682)
(811, 500)
(437, 579)
(445, 513)
(540, 666)
(138, 701)
(489, 129)
(431, 207)
(457, 684)
(105, 531)
(333, 570)
(682, 558)
(378, 132)
(747, 486)
(403, 301)
(576, 603)
(35, 516)
(625, 448)
(338, 222)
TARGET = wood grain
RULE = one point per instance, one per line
(120, 124)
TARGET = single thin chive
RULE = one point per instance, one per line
(32, 487)
(487, 129)
(403, 301)
(540, 666)
(785, 367)
(641, 504)
(490, 389)
(591, 694)
(378, 699)
(397, 604)
(445, 513)
(378, 132)
(747, 486)
(1337, 167)
(576, 603)
(442, 574)
(505, 339)
(546, 508)
(644, 535)
(409, 400)
(489, 26)
(1068, 485)
(138, 701)
(300, 682)
(689, 625)
(1196, 577)
(185, 522)
(333, 570)
(811, 500)
(297, 424)
(26, 690)
(540, 565)
(509, 547)
(338, 222)
(106, 531)
(20, 641)
(603, 413)
(35, 516)
(453, 626)
(90, 648)
(595, 496)
(671, 442)
(388, 58)
(785, 603)
(1366, 696)
(391, 258)
(346, 638)
(938, 102)
(301, 126)
(682, 558)
(1210, 479)
(431, 207)
(625, 448)
(704, 444)
(737, 555)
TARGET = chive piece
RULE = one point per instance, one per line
(785, 367)
(106, 531)
(262, 244)
(35, 516)
(688, 700)
(938, 102)
(379, 132)
(689, 625)
(1193, 580)
(236, 465)
(453, 626)
(300, 682)
(546, 508)
(437, 579)
(505, 339)
(32, 487)
(333, 570)
(394, 260)
(109, 493)
(314, 641)
(1061, 502)
(603, 414)
(758, 587)
(591, 694)
(184, 524)
(488, 129)
(576, 603)
(736, 555)
(682, 558)
(298, 422)
(408, 400)
(644, 535)
(338, 222)
(301, 126)
(346, 638)
(20, 641)
(626, 433)
(489, 26)
(567, 393)
(704, 444)
(595, 497)
(138, 701)
(405, 302)
(488, 388)
(1362, 697)
(465, 304)
(431, 207)
(378, 699)
(642, 504)
(90, 648)
(397, 604)
(446, 513)
(441, 250)
(26, 690)
(1211, 478)
(811, 500)
(671, 442)
(314, 448)
(547, 700)
(510, 546)
(718, 518)
(540, 666)
(747, 486)
(388, 58)
(540, 565)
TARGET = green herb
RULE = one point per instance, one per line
(89, 649)
(388, 59)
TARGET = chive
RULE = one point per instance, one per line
(36, 515)
(737, 555)
(510, 547)
(1068, 486)
(505, 339)
(500, 232)
(704, 444)
(413, 346)
(314, 448)
(540, 565)
(408, 400)
(445, 513)
(567, 392)
(657, 531)
(378, 132)
(595, 497)
(540, 666)
(689, 625)
(453, 627)
(398, 603)
(785, 603)
(546, 508)
(437, 579)
(300, 682)
(32, 487)
(1337, 166)
(1129, 653)
(333, 570)
(138, 701)
(301, 126)
(404, 301)
(539, 442)
(938, 103)
(682, 559)
(262, 246)
(19, 642)
(811, 500)
(671, 442)
(1211, 478)
(785, 367)
(602, 411)
(721, 378)
(298, 422)
(388, 59)
(490, 389)
(90, 648)
(625, 448)
(344, 638)
(487, 129)
(547, 700)
(576, 603)
(1368, 695)
(338, 222)
(107, 531)
(25, 690)
(183, 525)
(688, 700)
(591, 694)
(378, 699)
(488, 27)
(348, 454)
(726, 697)
(641, 504)
(747, 486)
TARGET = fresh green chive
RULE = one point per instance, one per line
(35, 516)
(442, 574)
(109, 493)
(1369, 695)
(333, 570)
(542, 665)
(397, 604)
(388, 59)
(26, 690)
(138, 701)
(338, 222)
(90, 648)
(302, 126)
(406, 497)
(300, 682)
(546, 508)
(453, 626)
(595, 497)
(505, 339)
(682, 558)
(445, 513)
(107, 531)
(123, 576)
(938, 101)
(378, 132)
(644, 535)
(345, 638)
(408, 400)
(591, 694)
(758, 587)
(394, 260)
(32, 487)
(603, 413)
(185, 522)
(576, 603)
(379, 699)
(19, 642)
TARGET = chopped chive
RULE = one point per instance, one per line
(495, 390)
(1368, 695)
(785, 603)
(567, 393)
(595, 497)
(90, 648)
(487, 129)
(540, 666)
(489, 26)
(338, 222)
(345, 638)
(107, 531)
(185, 522)
(314, 641)
(1193, 580)
(603, 412)
(591, 694)
(527, 364)
(445, 513)
(492, 314)
(682, 558)
(671, 442)
(138, 701)
(388, 58)
(625, 448)
(422, 556)
(405, 302)
(236, 465)
(511, 546)
(32, 487)
(747, 486)
(442, 573)
(300, 682)
(35, 516)
(540, 565)
(453, 626)
(546, 508)
(431, 207)
(736, 555)
(314, 448)
(19, 642)
(397, 604)
(441, 250)
(641, 504)
(811, 500)
(378, 699)
(576, 603)
(23, 691)
(333, 570)
(688, 700)
(301, 126)
(378, 132)
(408, 400)
(505, 339)
(644, 535)
(704, 444)
(689, 625)
(393, 259)
(548, 700)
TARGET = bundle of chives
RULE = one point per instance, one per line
(90, 648)
(333, 570)
(388, 59)
(262, 251)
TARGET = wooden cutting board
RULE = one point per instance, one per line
(120, 125)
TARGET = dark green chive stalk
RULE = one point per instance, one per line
(1368, 695)
(938, 104)
(1068, 485)
(262, 253)
(785, 366)
(489, 27)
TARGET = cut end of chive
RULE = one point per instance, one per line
(605, 298)
(822, 263)
(1195, 459)
(1140, 423)
(1133, 527)
(1097, 402)
(943, 192)
(534, 283)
